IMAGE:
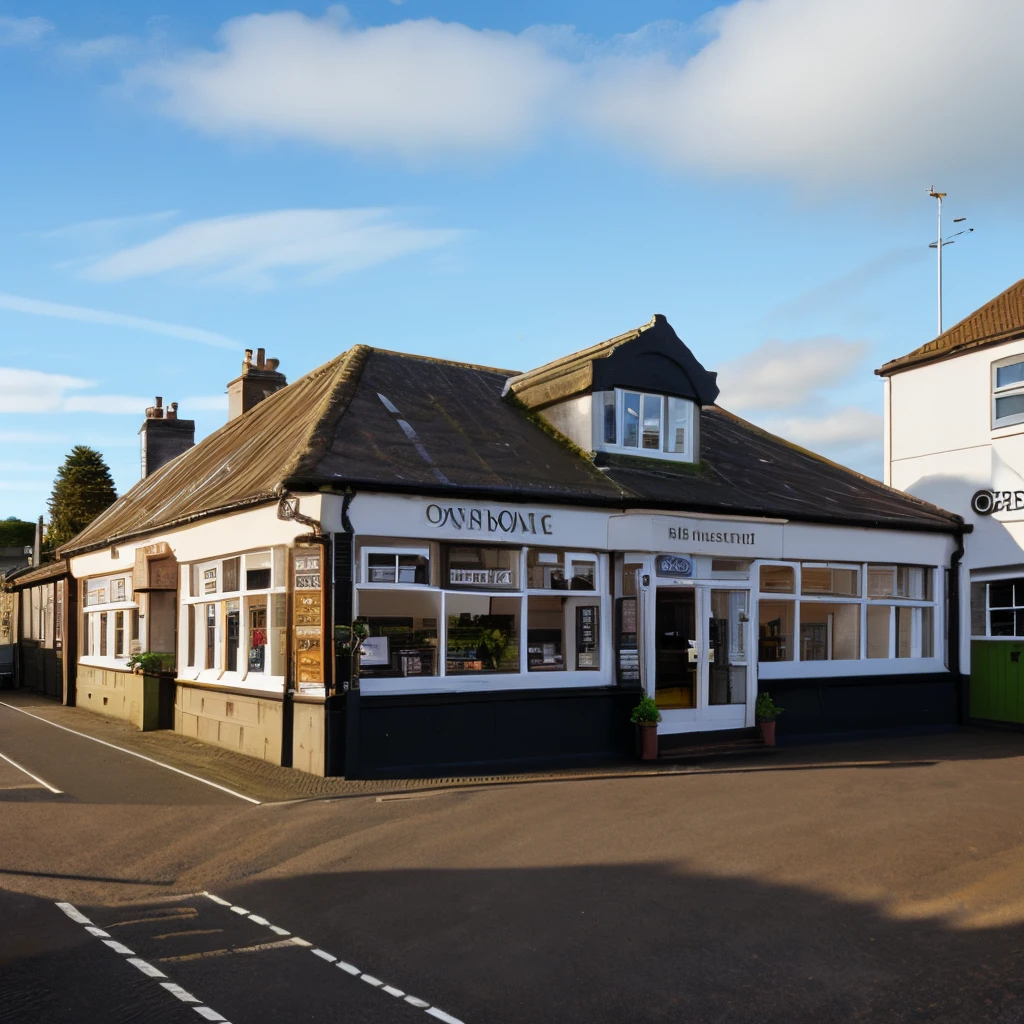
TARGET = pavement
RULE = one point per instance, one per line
(870, 880)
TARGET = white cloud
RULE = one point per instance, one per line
(23, 31)
(102, 48)
(811, 91)
(35, 391)
(248, 249)
(417, 88)
(35, 307)
(108, 225)
(841, 428)
(787, 374)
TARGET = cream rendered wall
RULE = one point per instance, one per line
(573, 418)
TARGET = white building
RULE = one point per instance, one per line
(954, 435)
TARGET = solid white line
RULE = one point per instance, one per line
(118, 948)
(148, 969)
(441, 1015)
(124, 750)
(205, 1011)
(177, 990)
(75, 915)
(34, 778)
(323, 955)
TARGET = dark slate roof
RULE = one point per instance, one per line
(372, 419)
(1000, 319)
(44, 573)
(648, 358)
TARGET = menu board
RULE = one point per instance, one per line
(626, 641)
(588, 626)
(307, 619)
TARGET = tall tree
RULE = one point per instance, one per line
(16, 533)
(82, 490)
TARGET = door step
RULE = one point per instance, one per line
(716, 749)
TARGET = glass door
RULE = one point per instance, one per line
(727, 648)
(676, 651)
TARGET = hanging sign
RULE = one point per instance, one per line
(984, 503)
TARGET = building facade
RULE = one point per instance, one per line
(402, 565)
(954, 413)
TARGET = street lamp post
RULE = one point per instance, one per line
(940, 243)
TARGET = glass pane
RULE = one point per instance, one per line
(231, 567)
(545, 634)
(879, 621)
(278, 626)
(488, 568)
(630, 420)
(609, 417)
(403, 633)
(582, 574)
(881, 581)
(545, 570)
(675, 637)
(652, 422)
(727, 672)
(914, 582)
(256, 643)
(775, 630)
(1000, 595)
(678, 425)
(928, 632)
(777, 579)
(1010, 405)
(103, 634)
(904, 632)
(1011, 374)
(381, 568)
(825, 580)
(483, 634)
(1001, 623)
(829, 632)
(977, 609)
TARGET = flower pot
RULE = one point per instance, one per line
(767, 733)
(648, 740)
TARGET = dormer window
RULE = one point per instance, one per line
(647, 424)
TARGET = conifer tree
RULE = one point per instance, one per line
(82, 490)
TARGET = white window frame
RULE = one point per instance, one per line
(600, 444)
(91, 620)
(1007, 390)
(796, 667)
(396, 552)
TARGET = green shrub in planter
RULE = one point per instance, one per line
(766, 710)
(151, 663)
(646, 711)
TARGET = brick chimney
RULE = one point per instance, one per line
(164, 436)
(255, 383)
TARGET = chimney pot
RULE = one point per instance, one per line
(164, 437)
(261, 361)
(172, 411)
(273, 364)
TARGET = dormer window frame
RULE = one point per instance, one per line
(669, 407)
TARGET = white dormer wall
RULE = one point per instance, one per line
(574, 418)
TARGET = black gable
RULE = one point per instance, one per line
(656, 360)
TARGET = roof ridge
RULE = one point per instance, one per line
(443, 362)
(836, 465)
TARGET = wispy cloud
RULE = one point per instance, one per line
(251, 249)
(807, 91)
(108, 225)
(23, 31)
(35, 307)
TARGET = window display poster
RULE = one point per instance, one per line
(587, 636)
(307, 618)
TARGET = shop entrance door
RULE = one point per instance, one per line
(676, 670)
(701, 664)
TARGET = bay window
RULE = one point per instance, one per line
(649, 424)
(458, 610)
(825, 611)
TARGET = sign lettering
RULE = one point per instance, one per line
(984, 503)
(484, 520)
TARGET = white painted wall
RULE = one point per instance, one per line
(573, 417)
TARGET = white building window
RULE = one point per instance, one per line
(819, 611)
(1008, 391)
(110, 619)
(660, 426)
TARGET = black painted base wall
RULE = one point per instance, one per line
(863, 703)
(40, 669)
(470, 733)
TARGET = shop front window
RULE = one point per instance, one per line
(775, 631)
(559, 570)
(486, 568)
(829, 632)
(482, 634)
(403, 633)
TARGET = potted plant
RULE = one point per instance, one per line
(646, 717)
(157, 703)
(766, 711)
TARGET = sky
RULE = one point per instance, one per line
(499, 183)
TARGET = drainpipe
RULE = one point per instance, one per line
(954, 626)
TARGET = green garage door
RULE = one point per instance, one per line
(997, 680)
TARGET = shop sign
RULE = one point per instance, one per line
(984, 503)
(307, 620)
(674, 565)
(511, 522)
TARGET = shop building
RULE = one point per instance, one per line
(521, 554)
(954, 412)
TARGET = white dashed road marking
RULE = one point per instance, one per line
(420, 1004)
(147, 968)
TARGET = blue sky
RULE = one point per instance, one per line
(500, 183)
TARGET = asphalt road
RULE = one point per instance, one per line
(879, 881)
